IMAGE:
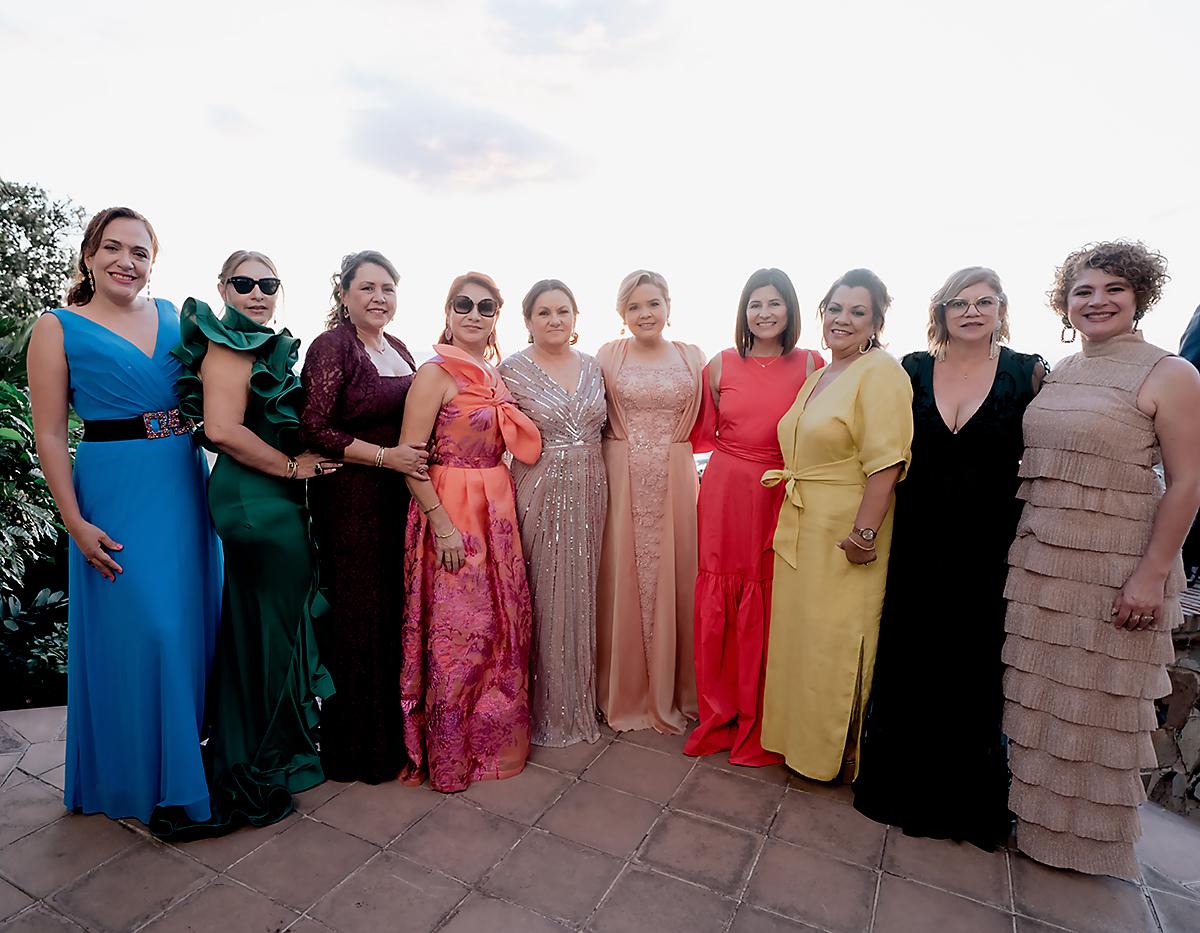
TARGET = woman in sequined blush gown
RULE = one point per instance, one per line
(645, 670)
(560, 501)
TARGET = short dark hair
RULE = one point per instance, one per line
(863, 278)
(1144, 270)
(743, 337)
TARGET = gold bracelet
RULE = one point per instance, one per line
(861, 547)
(432, 509)
(379, 457)
(448, 534)
(292, 467)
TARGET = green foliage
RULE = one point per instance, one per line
(28, 525)
(33, 649)
(35, 264)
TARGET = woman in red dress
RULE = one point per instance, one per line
(750, 386)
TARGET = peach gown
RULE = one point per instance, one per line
(645, 674)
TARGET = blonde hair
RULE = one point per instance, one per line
(633, 280)
(237, 257)
(938, 333)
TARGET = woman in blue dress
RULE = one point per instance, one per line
(144, 564)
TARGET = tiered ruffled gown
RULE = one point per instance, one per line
(1080, 692)
(262, 699)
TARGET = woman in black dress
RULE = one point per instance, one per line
(932, 759)
(356, 378)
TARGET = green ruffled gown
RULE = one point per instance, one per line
(262, 707)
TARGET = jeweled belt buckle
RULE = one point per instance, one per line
(165, 423)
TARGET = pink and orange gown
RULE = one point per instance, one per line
(735, 528)
(465, 677)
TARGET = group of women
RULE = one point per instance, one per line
(854, 589)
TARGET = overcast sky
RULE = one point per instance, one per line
(581, 139)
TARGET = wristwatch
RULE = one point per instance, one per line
(867, 534)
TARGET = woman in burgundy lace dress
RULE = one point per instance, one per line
(356, 378)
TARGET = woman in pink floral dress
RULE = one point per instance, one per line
(468, 619)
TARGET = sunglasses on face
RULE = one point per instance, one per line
(485, 306)
(244, 285)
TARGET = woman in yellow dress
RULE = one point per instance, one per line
(845, 444)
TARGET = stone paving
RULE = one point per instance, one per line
(624, 835)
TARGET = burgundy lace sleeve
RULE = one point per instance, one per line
(324, 377)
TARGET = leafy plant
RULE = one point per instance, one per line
(28, 523)
(33, 649)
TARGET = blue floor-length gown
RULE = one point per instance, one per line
(138, 649)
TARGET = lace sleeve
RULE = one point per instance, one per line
(323, 377)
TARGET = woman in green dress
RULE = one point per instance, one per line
(262, 705)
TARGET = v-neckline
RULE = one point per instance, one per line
(820, 374)
(150, 357)
(570, 393)
(978, 408)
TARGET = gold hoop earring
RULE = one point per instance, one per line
(1063, 334)
(868, 346)
(824, 345)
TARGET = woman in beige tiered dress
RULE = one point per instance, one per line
(646, 676)
(1095, 568)
(560, 500)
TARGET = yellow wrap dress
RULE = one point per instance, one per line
(824, 609)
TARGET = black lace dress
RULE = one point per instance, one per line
(359, 519)
(932, 759)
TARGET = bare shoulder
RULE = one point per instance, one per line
(46, 336)
(1173, 384)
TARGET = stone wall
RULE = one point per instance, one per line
(1175, 783)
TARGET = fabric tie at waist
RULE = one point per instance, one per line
(787, 531)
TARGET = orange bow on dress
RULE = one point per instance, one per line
(486, 389)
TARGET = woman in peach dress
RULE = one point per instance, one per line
(645, 674)
(468, 619)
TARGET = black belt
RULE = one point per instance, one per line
(147, 426)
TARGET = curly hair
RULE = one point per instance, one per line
(1143, 268)
(344, 278)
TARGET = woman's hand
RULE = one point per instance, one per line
(311, 464)
(1140, 601)
(854, 553)
(451, 553)
(412, 459)
(94, 544)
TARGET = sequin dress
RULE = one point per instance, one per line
(464, 684)
(645, 595)
(560, 502)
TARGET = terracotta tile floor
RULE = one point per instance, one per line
(623, 835)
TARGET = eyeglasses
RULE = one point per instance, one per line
(244, 285)
(485, 306)
(985, 305)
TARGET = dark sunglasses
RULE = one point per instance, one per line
(463, 305)
(244, 285)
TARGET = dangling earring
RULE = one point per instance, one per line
(993, 346)
(1136, 321)
(148, 295)
(531, 338)
(668, 322)
(1063, 334)
(622, 329)
(91, 279)
(824, 345)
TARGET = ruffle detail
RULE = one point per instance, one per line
(1086, 469)
(1094, 535)
(1107, 786)
(1065, 630)
(1086, 855)
(276, 393)
(1105, 567)
(1075, 815)
(1033, 728)
(1085, 670)
(1057, 494)
(1082, 707)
